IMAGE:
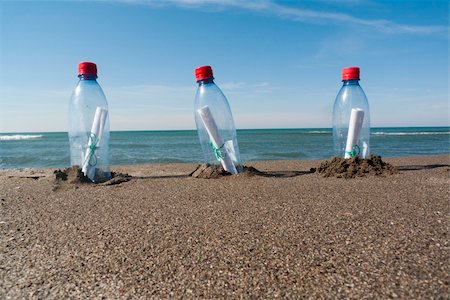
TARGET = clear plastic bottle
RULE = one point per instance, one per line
(215, 124)
(351, 117)
(89, 125)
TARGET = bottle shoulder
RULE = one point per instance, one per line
(211, 95)
(351, 90)
(208, 86)
(88, 84)
(209, 90)
(89, 91)
(349, 96)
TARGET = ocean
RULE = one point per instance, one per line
(51, 149)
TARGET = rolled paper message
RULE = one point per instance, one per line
(95, 137)
(229, 146)
(217, 143)
(354, 129)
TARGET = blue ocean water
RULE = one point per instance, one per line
(50, 149)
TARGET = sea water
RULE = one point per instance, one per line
(51, 150)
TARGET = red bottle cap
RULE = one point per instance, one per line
(350, 73)
(86, 67)
(203, 72)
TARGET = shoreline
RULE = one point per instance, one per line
(164, 234)
(396, 160)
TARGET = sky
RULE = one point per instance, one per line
(278, 62)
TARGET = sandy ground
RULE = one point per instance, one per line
(291, 234)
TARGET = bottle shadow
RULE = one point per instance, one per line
(273, 174)
(248, 172)
(252, 172)
(284, 174)
(162, 176)
(421, 167)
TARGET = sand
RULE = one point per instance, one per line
(287, 233)
(355, 167)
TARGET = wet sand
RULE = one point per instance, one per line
(288, 234)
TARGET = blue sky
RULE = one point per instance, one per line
(278, 62)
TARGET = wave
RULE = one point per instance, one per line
(390, 133)
(318, 132)
(412, 133)
(17, 137)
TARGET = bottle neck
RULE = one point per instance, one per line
(350, 82)
(87, 77)
(205, 81)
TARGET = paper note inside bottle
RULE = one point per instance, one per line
(229, 146)
(218, 146)
(354, 130)
(90, 158)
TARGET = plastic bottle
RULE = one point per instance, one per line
(215, 125)
(89, 125)
(351, 117)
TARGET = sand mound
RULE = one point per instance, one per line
(74, 175)
(207, 171)
(355, 167)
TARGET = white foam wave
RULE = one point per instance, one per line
(16, 137)
(318, 132)
(412, 133)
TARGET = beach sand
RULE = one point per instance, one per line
(289, 234)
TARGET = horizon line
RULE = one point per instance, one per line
(277, 128)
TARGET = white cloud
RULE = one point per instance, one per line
(298, 14)
(254, 105)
